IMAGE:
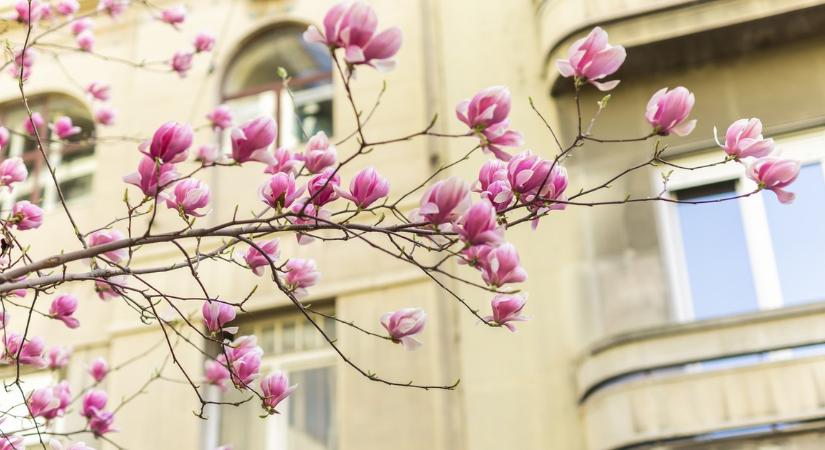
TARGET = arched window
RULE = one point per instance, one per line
(251, 86)
(73, 158)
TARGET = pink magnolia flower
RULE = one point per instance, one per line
(257, 261)
(499, 194)
(110, 287)
(307, 214)
(251, 140)
(4, 136)
(491, 171)
(245, 361)
(12, 170)
(300, 275)
(36, 122)
(319, 153)
(216, 315)
(63, 307)
(170, 143)
(478, 225)
(105, 115)
(204, 42)
(367, 187)
(26, 216)
(102, 237)
(285, 161)
(99, 369)
(208, 154)
(152, 177)
(486, 114)
(174, 15)
(445, 201)
(488, 107)
(667, 111)
(27, 13)
(64, 128)
(30, 352)
(113, 8)
(280, 191)
(50, 402)
(744, 140)
(592, 58)
(11, 442)
(86, 40)
(101, 423)
(321, 187)
(501, 266)
(188, 197)
(98, 91)
(23, 62)
(81, 25)
(181, 62)
(58, 357)
(775, 174)
(352, 27)
(403, 324)
(220, 117)
(216, 373)
(533, 180)
(275, 388)
(25, 59)
(41, 402)
(67, 7)
(507, 308)
(500, 135)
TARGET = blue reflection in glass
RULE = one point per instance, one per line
(798, 234)
(716, 253)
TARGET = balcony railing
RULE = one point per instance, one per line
(709, 380)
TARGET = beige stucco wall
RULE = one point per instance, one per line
(593, 272)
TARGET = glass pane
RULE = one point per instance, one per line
(798, 235)
(310, 410)
(76, 187)
(288, 337)
(267, 339)
(257, 65)
(242, 427)
(716, 254)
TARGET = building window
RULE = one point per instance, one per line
(73, 158)
(251, 86)
(749, 254)
(15, 411)
(307, 419)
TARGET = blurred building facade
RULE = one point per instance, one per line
(653, 326)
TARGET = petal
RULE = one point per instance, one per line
(606, 86)
(565, 69)
(684, 128)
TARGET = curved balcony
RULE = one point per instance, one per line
(706, 381)
(669, 31)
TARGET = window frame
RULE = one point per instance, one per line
(276, 87)
(806, 146)
(277, 426)
(39, 178)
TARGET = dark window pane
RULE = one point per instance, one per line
(313, 117)
(76, 187)
(311, 409)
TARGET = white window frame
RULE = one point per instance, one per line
(78, 168)
(29, 382)
(276, 428)
(806, 146)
